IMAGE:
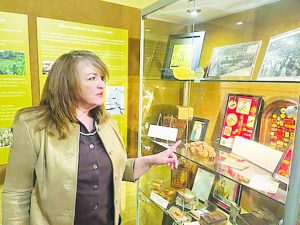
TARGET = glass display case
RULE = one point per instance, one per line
(224, 78)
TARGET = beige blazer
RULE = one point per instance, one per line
(41, 178)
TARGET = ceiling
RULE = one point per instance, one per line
(210, 9)
(133, 3)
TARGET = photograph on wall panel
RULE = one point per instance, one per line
(12, 63)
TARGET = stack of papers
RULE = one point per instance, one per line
(264, 183)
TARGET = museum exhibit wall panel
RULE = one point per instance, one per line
(91, 12)
(55, 37)
(15, 84)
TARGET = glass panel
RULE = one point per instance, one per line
(225, 75)
(217, 166)
(147, 210)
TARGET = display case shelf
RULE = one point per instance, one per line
(215, 166)
(219, 80)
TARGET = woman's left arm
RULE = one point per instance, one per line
(144, 163)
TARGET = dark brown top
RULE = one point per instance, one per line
(94, 199)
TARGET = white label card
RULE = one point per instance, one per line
(159, 200)
(165, 133)
(256, 153)
(191, 223)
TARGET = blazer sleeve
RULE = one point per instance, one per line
(19, 180)
(129, 170)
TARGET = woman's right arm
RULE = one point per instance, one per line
(19, 180)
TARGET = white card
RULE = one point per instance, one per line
(257, 153)
(191, 223)
(165, 133)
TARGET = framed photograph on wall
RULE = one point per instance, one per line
(198, 129)
(233, 61)
(224, 192)
(241, 118)
(282, 59)
(183, 51)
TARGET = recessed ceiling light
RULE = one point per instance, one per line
(194, 12)
(239, 23)
(147, 29)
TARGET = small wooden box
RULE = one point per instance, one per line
(213, 218)
(185, 112)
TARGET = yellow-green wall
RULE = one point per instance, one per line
(90, 12)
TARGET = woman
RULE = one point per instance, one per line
(67, 159)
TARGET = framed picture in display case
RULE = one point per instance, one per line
(203, 177)
(183, 51)
(241, 118)
(224, 192)
(282, 59)
(198, 129)
(233, 61)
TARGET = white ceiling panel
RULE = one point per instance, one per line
(210, 9)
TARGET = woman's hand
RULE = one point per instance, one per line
(167, 157)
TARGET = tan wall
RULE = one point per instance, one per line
(90, 12)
